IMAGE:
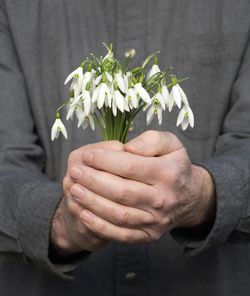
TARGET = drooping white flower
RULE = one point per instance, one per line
(155, 69)
(131, 99)
(77, 76)
(185, 117)
(178, 96)
(58, 127)
(87, 77)
(72, 106)
(154, 109)
(142, 93)
(101, 93)
(84, 120)
(175, 96)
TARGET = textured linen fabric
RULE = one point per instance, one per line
(40, 43)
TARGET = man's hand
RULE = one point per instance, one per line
(68, 234)
(138, 194)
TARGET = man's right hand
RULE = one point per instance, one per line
(68, 233)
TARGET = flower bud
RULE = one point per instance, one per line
(130, 53)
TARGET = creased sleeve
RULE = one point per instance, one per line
(230, 170)
(28, 199)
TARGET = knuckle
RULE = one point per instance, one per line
(99, 227)
(123, 217)
(89, 179)
(131, 168)
(73, 206)
(127, 237)
(155, 235)
(158, 202)
(148, 219)
(124, 195)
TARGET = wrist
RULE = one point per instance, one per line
(59, 238)
(206, 193)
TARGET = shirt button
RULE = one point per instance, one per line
(130, 277)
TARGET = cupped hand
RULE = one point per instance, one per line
(68, 234)
(143, 191)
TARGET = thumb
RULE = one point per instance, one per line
(153, 143)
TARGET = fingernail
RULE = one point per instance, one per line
(87, 156)
(136, 144)
(86, 215)
(75, 173)
(77, 192)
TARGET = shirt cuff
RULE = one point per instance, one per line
(35, 214)
(230, 181)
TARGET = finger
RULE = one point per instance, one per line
(124, 164)
(154, 143)
(110, 211)
(112, 232)
(121, 190)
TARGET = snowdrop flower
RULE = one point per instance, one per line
(84, 120)
(77, 76)
(72, 106)
(87, 77)
(58, 127)
(154, 109)
(131, 99)
(185, 117)
(101, 93)
(142, 93)
(155, 69)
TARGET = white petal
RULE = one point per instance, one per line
(98, 79)
(85, 79)
(101, 96)
(165, 94)
(92, 122)
(63, 130)
(109, 77)
(81, 119)
(142, 93)
(181, 116)
(155, 69)
(150, 114)
(161, 100)
(170, 102)
(54, 131)
(119, 100)
(185, 124)
(120, 81)
(96, 93)
(77, 71)
(114, 108)
(159, 114)
(87, 102)
(176, 95)
(190, 116)
(183, 95)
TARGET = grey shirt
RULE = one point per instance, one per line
(40, 43)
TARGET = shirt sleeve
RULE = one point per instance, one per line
(28, 199)
(230, 170)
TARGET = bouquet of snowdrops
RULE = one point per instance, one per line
(107, 94)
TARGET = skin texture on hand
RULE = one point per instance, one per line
(138, 193)
(68, 234)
